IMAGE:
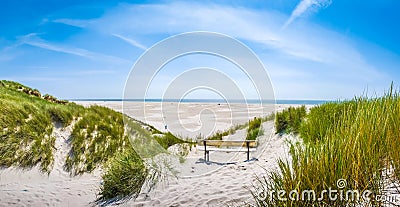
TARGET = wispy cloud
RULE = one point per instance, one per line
(308, 43)
(304, 6)
(34, 40)
(305, 56)
(131, 41)
(73, 22)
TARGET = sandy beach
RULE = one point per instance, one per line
(226, 180)
(191, 119)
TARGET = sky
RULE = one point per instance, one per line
(311, 49)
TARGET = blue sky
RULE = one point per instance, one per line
(312, 49)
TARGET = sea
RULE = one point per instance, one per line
(249, 101)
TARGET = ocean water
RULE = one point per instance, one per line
(251, 101)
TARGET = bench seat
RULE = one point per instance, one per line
(227, 149)
(227, 146)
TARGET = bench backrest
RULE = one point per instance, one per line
(229, 143)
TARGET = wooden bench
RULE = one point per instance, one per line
(224, 146)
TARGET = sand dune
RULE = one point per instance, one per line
(217, 183)
(32, 188)
(198, 183)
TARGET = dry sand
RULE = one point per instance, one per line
(30, 187)
(191, 119)
(225, 181)
(198, 184)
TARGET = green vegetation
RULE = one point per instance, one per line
(254, 130)
(168, 139)
(98, 138)
(356, 140)
(289, 120)
(218, 135)
(26, 127)
(125, 175)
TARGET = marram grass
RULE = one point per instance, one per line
(356, 140)
(254, 129)
(98, 139)
(125, 174)
(289, 120)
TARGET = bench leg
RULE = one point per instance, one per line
(248, 151)
(205, 150)
(208, 156)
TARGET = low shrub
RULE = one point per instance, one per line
(254, 130)
(289, 120)
(124, 176)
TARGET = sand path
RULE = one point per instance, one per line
(32, 188)
(199, 184)
(216, 183)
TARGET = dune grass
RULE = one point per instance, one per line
(219, 134)
(254, 129)
(124, 176)
(95, 138)
(356, 140)
(168, 140)
(289, 120)
(26, 129)
(98, 138)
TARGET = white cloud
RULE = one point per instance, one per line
(252, 25)
(34, 40)
(324, 56)
(73, 22)
(304, 6)
(131, 41)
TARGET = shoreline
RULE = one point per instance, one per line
(210, 101)
(192, 119)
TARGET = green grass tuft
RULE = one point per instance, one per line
(124, 176)
(254, 130)
(289, 120)
(356, 140)
(168, 139)
(98, 138)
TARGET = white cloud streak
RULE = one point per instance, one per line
(73, 22)
(325, 57)
(304, 6)
(33, 40)
(131, 41)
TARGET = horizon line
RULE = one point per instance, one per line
(318, 101)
